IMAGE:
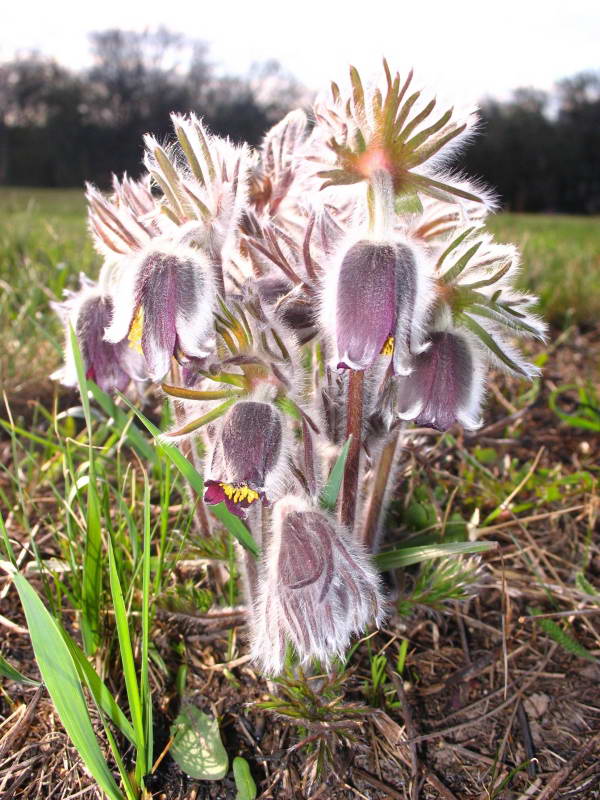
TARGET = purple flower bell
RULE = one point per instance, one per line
(246, 456)
(318, 588)
(111, 365)
(446, 385)
(378, 299)
(164, 304)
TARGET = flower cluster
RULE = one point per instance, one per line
(299, 305)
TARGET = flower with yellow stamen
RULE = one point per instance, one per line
(239, 493)
(388, 347)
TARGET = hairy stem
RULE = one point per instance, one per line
(380, 202)
(354, 411)
(375, 505)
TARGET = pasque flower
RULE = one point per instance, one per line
(446, 384)
(318, 588)
(376, 292)
(111, 365)
(164, 303)
(246, 456)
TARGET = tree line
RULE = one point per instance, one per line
(58, 127)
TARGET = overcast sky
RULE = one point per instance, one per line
(462, 47)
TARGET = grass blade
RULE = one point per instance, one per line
(129, 672)
(61, 678)
(8, 671)
(92, 561)
(121, 422)
(98, 689)
(405, 556)
(146, 695)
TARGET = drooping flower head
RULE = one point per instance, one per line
(375, 302)
(246, 458)
(164, 304)
(446, 384)
(318, 588)
(111, 365)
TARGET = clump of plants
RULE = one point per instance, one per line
(300, 306)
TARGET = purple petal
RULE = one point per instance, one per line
(366, 302)
(319, 587)
(406, 277)
(215, 494)
(441, 381)
(170, 291)
(104, 362)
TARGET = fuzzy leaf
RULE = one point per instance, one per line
(561, 637)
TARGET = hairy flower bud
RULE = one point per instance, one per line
(318, 588)
(246, 456)
(164, 303)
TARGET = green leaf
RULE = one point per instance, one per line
(586, 587)
(98, 689)
(197, 747)
(61, 678)
(129, 671)
(210, 416)
(330, 492)
(457, 268)
(453, 245)
(409, 203)
(234, 524)
(8, 671)
(588, 415)
(244, 782)
(405, 556)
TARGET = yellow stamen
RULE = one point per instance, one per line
(239, 493)
(388, 347)
(136, 330)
